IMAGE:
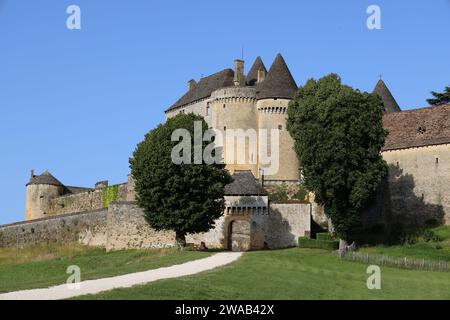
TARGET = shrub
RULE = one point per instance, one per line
(301, 193)
(305, 242)
(280, 193)
(324, 236)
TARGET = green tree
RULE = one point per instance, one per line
(185, 198)
(440, 98)
(338, 135)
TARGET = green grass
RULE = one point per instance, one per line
(296, 273)
(44, 266)
(420, 250)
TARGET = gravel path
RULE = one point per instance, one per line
(125, 281)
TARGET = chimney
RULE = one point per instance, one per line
(191, 84)
(261, 75)
(32, 173)
(239, 80)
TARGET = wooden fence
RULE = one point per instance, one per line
(405, 263)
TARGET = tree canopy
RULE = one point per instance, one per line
(185, 198)
(338, 135)
(440, 98)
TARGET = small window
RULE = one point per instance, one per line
(224, 128)
(437, 160)
(280, 127)
(207, 109)
(224, 105)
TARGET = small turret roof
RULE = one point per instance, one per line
(252, 75)
(279, 82)
(390, 105)
(45, 178)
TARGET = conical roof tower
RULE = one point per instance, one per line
(390, 105)
(279, 82)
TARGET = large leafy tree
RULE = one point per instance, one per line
(338, 135)
(185, 198)
(440, 98)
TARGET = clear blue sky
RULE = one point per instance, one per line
(77, 102)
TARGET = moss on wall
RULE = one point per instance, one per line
(110, 194)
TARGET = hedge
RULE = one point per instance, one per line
(305, 242)
(324, 236)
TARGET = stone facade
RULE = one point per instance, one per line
(417, 191)
(88, 228)
(248, 224)
(419, 184)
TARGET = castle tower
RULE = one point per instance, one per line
(39, 191)
(234, 111)
(274, 94)
(390, 105)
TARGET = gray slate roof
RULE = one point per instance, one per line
(252, 75)
(205, 87)
(45, 178)
(244, 184)
(279, 82)
(390, 105)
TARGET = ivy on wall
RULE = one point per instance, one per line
(110, 194)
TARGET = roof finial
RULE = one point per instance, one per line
(242, 53)
(381, 76)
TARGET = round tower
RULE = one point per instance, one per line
(234, 115)
(39, 191)
(274, 94)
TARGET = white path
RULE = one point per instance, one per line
(125, 281)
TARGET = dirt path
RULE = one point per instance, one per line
(125, 281)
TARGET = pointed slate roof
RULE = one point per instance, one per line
(279, 82)
(244, 184)
(252, 76)
(45, 178)
(390, 105)
(205, 87)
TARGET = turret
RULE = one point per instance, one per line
(39, 191)
(275, 90)
(390, 105)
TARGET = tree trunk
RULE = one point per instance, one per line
(342, 246)
(180, 238)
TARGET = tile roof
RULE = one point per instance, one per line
(244, 184)
(45, 178)
(417, 128)
(279, 82)
(252, 76)
(205, 87)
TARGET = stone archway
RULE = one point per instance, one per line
(238, 236)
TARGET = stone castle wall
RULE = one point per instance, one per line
(419, 184)
(87, 201)
(88, 228)
(123, 226)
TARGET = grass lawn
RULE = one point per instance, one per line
(292, 274)
(420, 250)
(43, 266)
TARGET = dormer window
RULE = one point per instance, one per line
(421, 130)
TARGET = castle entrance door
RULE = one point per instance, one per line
(238, 235)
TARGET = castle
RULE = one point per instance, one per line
(417, 190)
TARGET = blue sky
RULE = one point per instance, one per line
(76, 102)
